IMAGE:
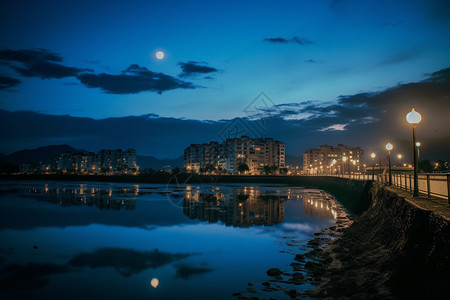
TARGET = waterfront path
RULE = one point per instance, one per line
(437, 205)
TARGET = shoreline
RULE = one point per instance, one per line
(305, 268)
(396, 249)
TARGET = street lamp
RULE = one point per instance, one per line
(344, 159)
(418, 155)
(414, 118)
(332, 164)
(389, 147)
(373, 165)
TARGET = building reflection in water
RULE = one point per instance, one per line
(248, 206)
(95, 196)
(241, 208)
(318, 203)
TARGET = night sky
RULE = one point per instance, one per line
(337, 71)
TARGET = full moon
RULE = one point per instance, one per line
(159, 54)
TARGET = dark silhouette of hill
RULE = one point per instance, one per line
(44, 154)
(41, 154)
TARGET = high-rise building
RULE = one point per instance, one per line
(327, 160)
(228, 156)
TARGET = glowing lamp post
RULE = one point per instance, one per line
(344, 159)
(399, 156)
(332, 164)
(414, 118)
(418, 154)
(373, 165)
(389, 147)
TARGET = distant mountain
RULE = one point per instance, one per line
(41, 154)
(145, 162)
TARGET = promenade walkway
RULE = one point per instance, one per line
(434, 189)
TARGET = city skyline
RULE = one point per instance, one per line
(327, 72)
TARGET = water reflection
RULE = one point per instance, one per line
(140, 235)
(240, 208)
(246, 207)
(317, 203)
(82, 195)
(154, 283)
(127, 262)
(17, 277)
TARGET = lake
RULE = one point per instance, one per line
(100, 240)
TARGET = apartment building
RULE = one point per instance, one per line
(105, 162)
(228, 156)
(327, 160)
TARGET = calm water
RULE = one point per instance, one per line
(109, 240)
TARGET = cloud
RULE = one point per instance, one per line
(30, 55)
(439, 76)
(371, 118)
(38, 63)
(400, 57)
(276, 40)
(185, 271)
(45, 64)
(8, 82)
(301, 41)
(133, 80)
(295, 40)
(334, 127)
(126, 261)
(193, 68)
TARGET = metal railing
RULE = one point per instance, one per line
(430, 184)
(353, 176)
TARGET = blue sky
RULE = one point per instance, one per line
(293, 51)
(304, 72)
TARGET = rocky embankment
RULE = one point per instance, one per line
(294, 281)
(394, 250)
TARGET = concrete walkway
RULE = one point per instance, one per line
(437, 205)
